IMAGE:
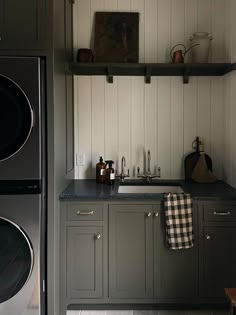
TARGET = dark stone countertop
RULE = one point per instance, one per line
(89, 190)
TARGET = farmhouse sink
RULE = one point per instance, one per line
(153, 188)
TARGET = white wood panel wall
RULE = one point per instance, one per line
(229, 165)
(129, 117)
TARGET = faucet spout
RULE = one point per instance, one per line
(148, 175)
(122, 174)
(149, 159)
(123, 164)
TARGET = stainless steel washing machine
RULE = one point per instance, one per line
(22, 262)
(22, 114)
(22, 186)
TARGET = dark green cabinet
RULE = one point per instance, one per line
(134, 265)
(177, 272)
(131, 251)
(22, 24)
(217, 251)
(218, 260)
(84, 262)
(83, 253)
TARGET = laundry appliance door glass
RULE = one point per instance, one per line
(16, 261)
(16, 118)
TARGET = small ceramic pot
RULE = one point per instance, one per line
(84, 55)
(200, 52)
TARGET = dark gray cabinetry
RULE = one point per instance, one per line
(177, 273)
(22, 24)
(217, 250)
(83, 252)
(84, 261)
(131, 250)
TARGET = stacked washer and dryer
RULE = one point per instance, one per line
(22, 186)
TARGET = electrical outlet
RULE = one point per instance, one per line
(80, 161)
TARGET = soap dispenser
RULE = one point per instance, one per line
(110, 173)
(100, 171)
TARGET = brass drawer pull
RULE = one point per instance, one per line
(84, 212)
(149, 214)
(221, 213)
(98, 236)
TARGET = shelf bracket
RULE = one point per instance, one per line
(148, 73)
(186, 76)
(109, 75)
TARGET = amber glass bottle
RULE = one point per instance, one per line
(100, 171)
(110, 173)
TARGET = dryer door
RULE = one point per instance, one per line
(16, 118)
(16, 261)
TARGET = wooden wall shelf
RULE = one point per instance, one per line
(151, 69)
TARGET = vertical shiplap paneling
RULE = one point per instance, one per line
(163, 91)
(124, 5)
(164, 30)
(176, 127)
(150, 31)
(110, 122)
(137, 112)
(232, 29)
(226, 128)
(173, 113)
(190, 25)
(111, 5)
(137, 123)
(124, 107)
(204, 111)
(98, 120)
(84, 112)
(164, 126)
(124, 120)
(204, 17)
(190, 114)
(138, 6)
(76, 126)
(151, 122)
(82, 24)
(227, 31)
(216, 136)
(177, 23)
(218, 31)
(177, 37)
(232, 130)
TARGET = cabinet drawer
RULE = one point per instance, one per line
(84, 212)
(220, 213)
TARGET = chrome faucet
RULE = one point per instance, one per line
(148, 175)
(122, 174)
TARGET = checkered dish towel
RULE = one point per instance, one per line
(179, 220)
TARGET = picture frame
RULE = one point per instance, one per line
(116, 37)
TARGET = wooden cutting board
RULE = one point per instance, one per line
(191, 160)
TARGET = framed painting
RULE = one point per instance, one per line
(116, 37)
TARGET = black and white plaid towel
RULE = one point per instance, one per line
(179, 220)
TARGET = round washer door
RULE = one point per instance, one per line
(16, 118)
(16, 261)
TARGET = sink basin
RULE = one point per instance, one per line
(146, 189)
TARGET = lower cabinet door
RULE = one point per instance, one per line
(84, 262)
(218, 261)
(130, 251)
(178, 278)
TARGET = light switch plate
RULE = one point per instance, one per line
(80, 161)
